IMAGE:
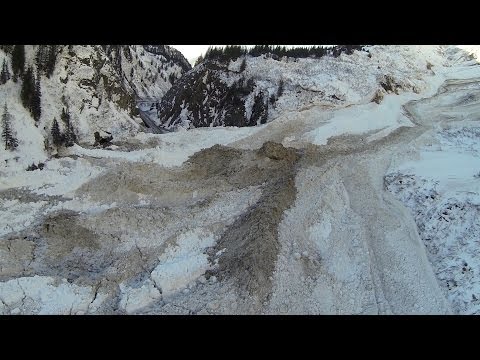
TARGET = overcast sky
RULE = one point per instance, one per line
(192, 52)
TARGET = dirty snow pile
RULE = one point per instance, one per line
(171, 149)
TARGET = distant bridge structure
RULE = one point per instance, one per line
(146, 117)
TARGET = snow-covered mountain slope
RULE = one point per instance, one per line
(97, 85)
(216, 93)
(148, 70)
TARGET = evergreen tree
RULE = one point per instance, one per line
(18, 61)
(51, 60)
(70, 137)
(36, 100)
(7, 48)
(65, 116)
(28, 90)
(172, 78)
(46, 59)
(40, 58)
(7, 133)
(243, 65)
(5, 74)
(199, 60)
(280, 89)
(56, 135)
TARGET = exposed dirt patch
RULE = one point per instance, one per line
(16, 254)
(251, 242)
(27, 196)
(63, 233)
(276, 151)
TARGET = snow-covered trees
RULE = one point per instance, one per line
(56, 135)
(243, 65)
(36, 100)
(5, 74)
(8, 135)
(69, 137)
(280, 88)
(199, 60)
(31, 94)
(259, 109)
(18, 61)
(28, 87)
(172, 77)
(46, 59)
(233, 52)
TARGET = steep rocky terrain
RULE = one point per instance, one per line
(97, 86)
(249, 90)
(149, 70)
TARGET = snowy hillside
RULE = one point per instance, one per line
(219, 93)
(98, 87)
(148, 70)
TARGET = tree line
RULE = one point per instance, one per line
(8, 134)
(30, 94)
(233, 52)
(68, 137)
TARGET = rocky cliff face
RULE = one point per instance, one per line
(147, 70)
(213, 95)
(98, 85)
(251, 88)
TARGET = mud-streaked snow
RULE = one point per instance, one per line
(16, 216)
(383, 118)
(178, 266)
(183, 263)
(58, 177)
(173, 148)
(136, 298)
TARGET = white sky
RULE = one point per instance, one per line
(192, 52)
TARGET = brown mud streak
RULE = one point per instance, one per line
(251, 242)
